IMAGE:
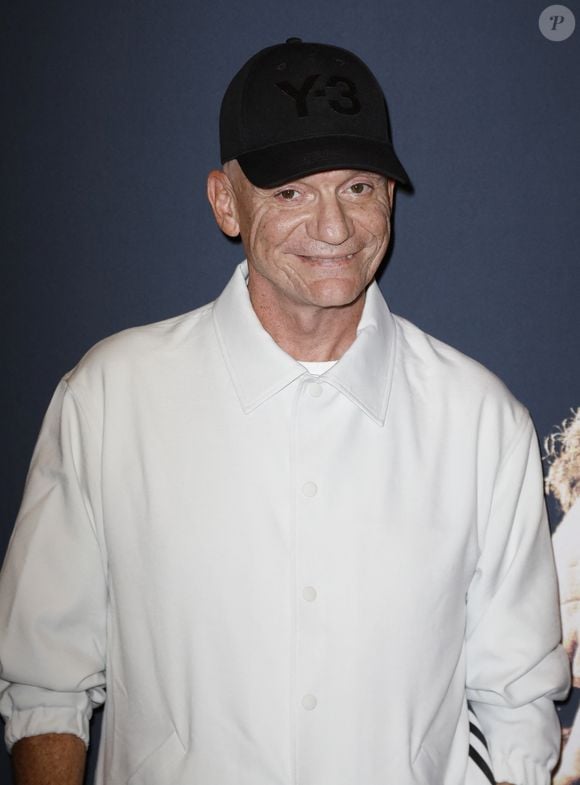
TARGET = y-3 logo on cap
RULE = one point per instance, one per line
(339, 91)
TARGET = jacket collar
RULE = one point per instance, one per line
(259, 368)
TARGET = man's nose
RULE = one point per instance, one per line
(330, 221)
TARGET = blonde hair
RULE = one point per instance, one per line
(563, 454)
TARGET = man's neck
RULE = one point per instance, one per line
(307, 332)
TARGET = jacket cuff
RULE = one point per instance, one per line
(53, 719)
(519, 769)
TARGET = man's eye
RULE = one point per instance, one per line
(287, 194)
(359, 188)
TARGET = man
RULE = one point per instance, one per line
(290, 533)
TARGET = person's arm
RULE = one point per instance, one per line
(53, 587)
(516, 666)
(49, 759)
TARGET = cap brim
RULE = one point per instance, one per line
(278, 164)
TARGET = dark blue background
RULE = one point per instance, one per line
(110, 127)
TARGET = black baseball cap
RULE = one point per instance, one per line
(299, 108)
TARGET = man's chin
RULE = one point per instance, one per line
(331, 294)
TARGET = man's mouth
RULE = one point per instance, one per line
(327, 259)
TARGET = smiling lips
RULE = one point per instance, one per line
(327, 260)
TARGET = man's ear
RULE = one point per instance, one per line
(222, 199)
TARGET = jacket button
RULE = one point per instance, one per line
(309, 702)
(310, 489)
(309, 593)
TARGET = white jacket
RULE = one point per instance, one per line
(284, 579)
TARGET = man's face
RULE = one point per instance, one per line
(316, 241)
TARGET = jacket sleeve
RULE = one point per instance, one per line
(516, 666)
(53, 585)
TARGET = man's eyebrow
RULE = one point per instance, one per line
(277, 188)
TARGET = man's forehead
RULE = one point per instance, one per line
(337, 174)
(326, 176)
